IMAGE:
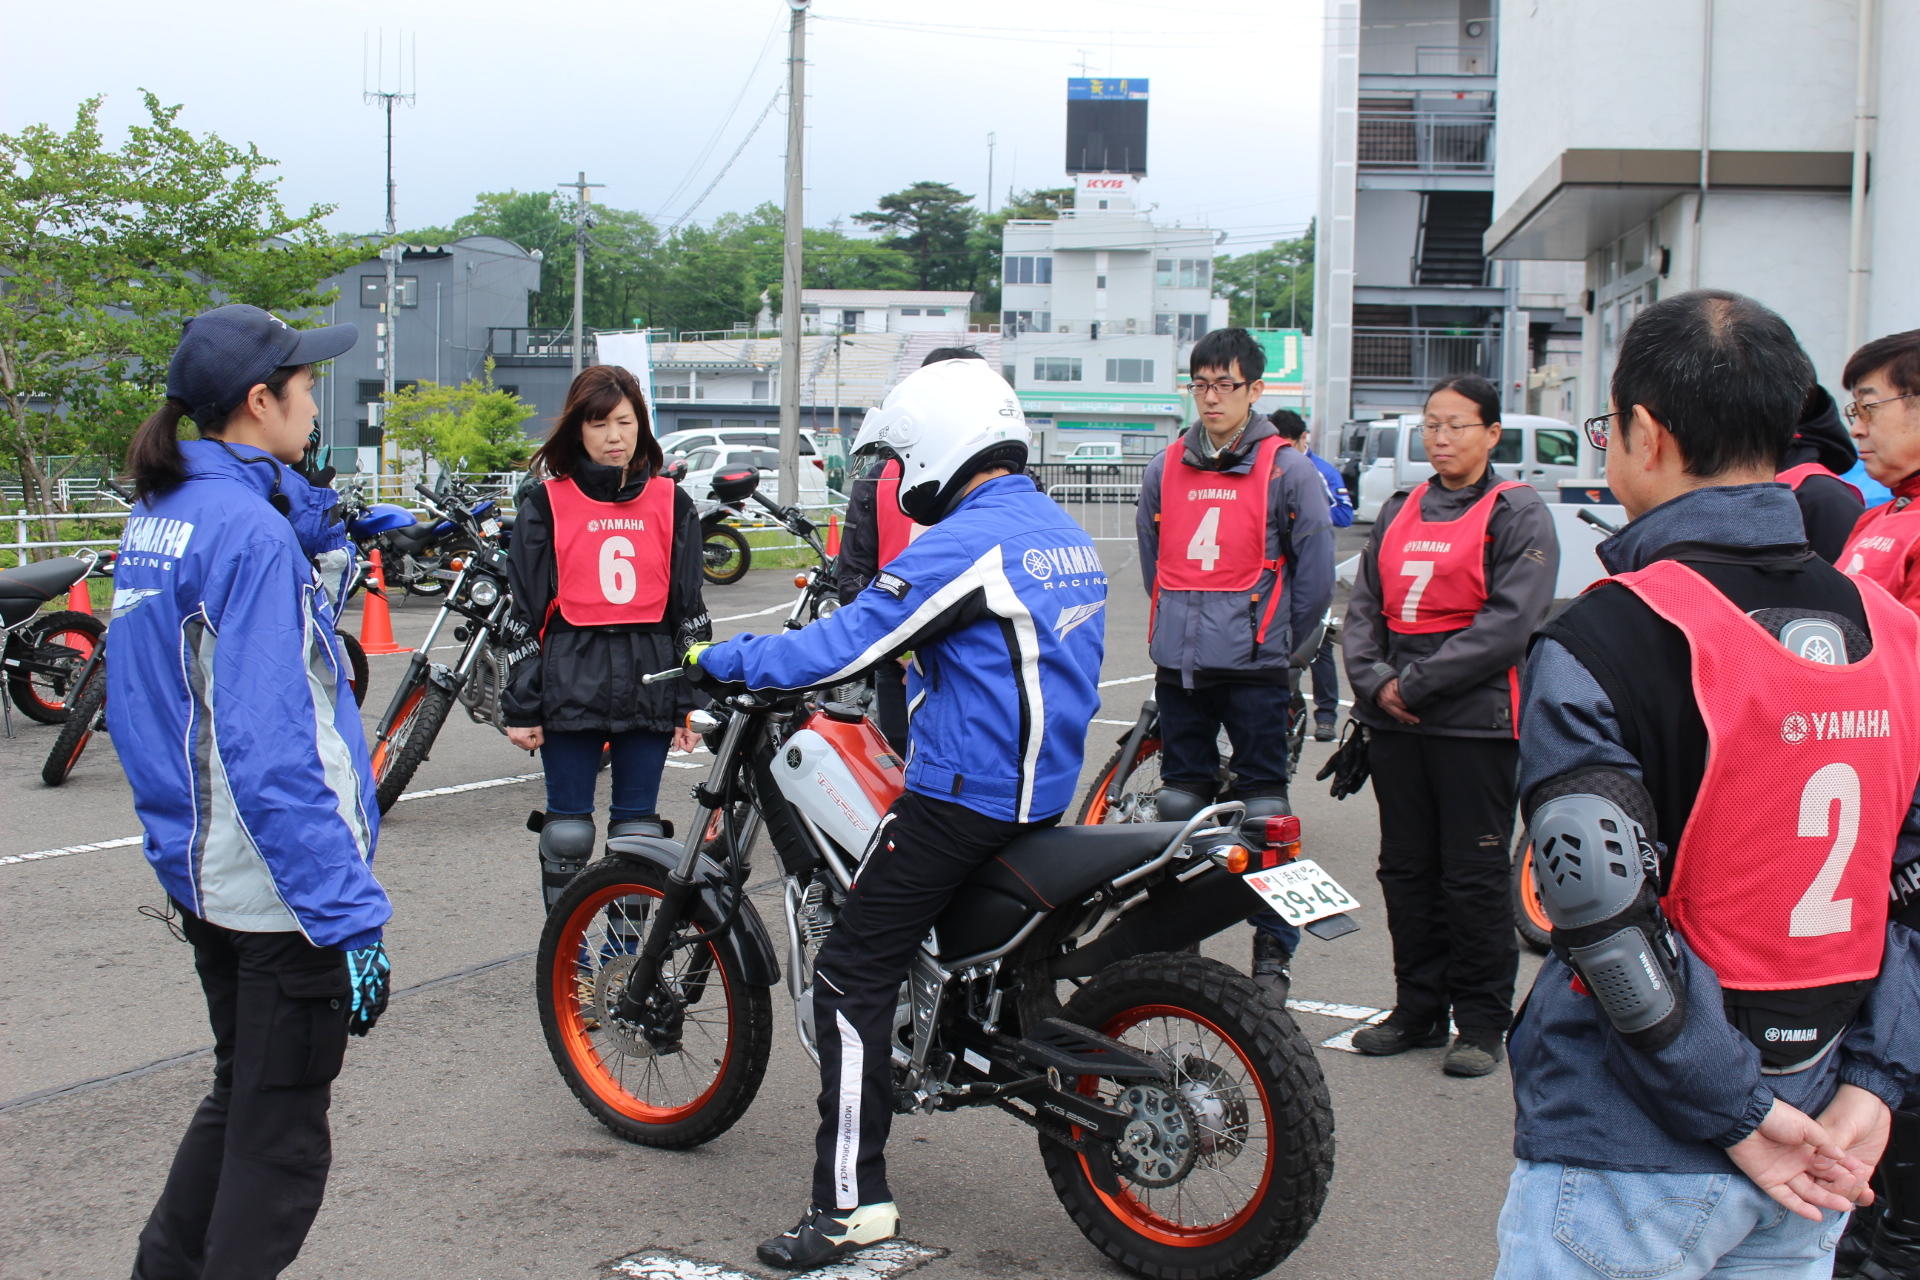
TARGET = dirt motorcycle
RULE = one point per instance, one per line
(1181, 1117)
(43, 651)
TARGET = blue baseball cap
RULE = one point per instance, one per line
(229, 350)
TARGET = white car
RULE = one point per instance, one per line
(685, 442)
(707, 461)
(1541, 451)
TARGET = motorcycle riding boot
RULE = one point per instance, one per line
(824, 1235)
(1272, 958)
(1895, 1253)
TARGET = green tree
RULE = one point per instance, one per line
(105, 252)
(534, 220)
(929, 222)
(1278, 280)
(474, 427)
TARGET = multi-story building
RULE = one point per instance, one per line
(455, 305)
(1732, 149)
(1098, 311)
(1404, 293)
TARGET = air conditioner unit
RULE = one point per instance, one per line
(1133, 325)
(1065, 328)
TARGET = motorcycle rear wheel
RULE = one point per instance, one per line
(680, 1098)
(1249, 1095)
(415, 727)
(356, 667)
(65, 640)
(84, 707)
(1529, 915)
(724, 555)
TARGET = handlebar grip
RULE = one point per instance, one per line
(659, 677)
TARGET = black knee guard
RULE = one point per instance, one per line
(566, 845)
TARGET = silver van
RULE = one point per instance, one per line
(1540, 451)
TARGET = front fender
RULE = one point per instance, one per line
(747, 940)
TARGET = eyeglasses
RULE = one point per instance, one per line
(1855, 410)
(1598, 432)
(1451, 430)
(1198, 389)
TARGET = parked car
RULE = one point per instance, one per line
(1093, 451)
(1540, 451)
(685, 442)
(708, 461)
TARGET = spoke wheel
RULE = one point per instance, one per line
(1224, 1167)
(724, 555)
(679, 1082)
(1529, 913)
(1137, 801)
(57, 645)
(84, 711)
(415, 727)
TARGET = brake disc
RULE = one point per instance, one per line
(1217, 1101)
(1161, 1135)
(608, 985)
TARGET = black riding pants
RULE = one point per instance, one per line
(925, 850)
(1255, 718)
(1446, 831)
(249, 1175)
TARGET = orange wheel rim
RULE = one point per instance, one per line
(401, 722)
(1530, 894)
(1097, 811)
(1135, 1212)
(600, 1070)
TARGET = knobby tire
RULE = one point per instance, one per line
(84, 709)
(35, 694)
(414, 729)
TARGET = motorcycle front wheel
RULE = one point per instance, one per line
(1231, 1158)
(724, 555)
(1529, 913)
(664, 1092)
(356, 667)
(415, 726)
(1137, 799)
(85, 706)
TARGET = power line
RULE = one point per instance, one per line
(719, 130)
(698, 201)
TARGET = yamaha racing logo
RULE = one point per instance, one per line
(1831, 726)
(1794, 728)
(1064, 567)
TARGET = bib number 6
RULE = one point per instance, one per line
(619, 580)
(1829, 810)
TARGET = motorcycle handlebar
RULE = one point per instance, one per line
(659, 677)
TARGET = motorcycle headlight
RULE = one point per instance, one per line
(483, 592)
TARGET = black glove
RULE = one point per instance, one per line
(1348, 766)
(372, 977)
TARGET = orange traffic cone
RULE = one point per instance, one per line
(80, 598)
(833, 535)
(376, 624)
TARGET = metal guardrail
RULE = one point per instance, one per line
(1419, 357)
(1427, 141)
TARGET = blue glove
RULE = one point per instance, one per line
(372, 977)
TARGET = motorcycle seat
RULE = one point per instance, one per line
(42, 580)
(415, 539)
(1058, 865)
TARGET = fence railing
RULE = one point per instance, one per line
(1419, 357)
(1427, 141)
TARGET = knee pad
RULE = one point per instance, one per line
(566, 845)
(654, 825)
(1175, 805)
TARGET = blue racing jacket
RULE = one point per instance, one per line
(229, 705)
(1003, 605)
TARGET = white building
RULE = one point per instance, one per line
(1404, 294)
(1663, 146)
(1099, 309)
(881, 311)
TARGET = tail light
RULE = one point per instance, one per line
(1279, 842)
(820, 464)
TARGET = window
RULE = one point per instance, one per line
(1187, 326)
(761, 388)
(1014, 323)
(372, 389)
(909, 311)
(1141, 445)
(1508, 450)
(702, 459)
(936, 311)
(741, 424)
(1007, 371)
(1056, 369)
(1163, 273)
(1099, 282)
(373, 291)
(1028, 269)
(1182, 273)
(693, 424)
(1555, 447)
(1129, 371)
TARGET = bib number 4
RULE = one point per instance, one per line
(1204, 546)
(619, 580)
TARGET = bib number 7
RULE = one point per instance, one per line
(1204, 546)
(1421, 571)
(1829, 810)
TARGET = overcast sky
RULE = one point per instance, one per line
(652, 98)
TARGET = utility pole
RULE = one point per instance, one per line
(986, 201)
(391, 251)
(790, 274)
(582, 221)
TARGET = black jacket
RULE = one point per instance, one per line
(1455, 681)
(588, 678)
(859, 556)
(1829, 508)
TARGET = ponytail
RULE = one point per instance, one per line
(153, 460)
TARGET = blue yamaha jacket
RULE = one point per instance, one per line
(1003, 605)
(228, 702)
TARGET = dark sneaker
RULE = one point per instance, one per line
(824, 1235)
(1323, 728)
(1385, 1039)
(1270, 961)
(1475, 1053)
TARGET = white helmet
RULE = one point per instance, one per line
(946, 422)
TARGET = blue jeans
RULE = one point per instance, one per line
(1564, 1222)
(572, 761)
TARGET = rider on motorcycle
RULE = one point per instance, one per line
(1002, 604)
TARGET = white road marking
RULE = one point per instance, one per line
(1108, 684)
(471, 786)
(43, 854)
(757, 613)
(1353, 1012)
(878, 1262)
(1124, 724)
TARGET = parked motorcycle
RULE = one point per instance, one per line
(1182, 1119)
(42, 652)
(413, 552)
(479, 595)
(726, 554)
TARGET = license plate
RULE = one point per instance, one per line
(1300, 891)
(490, 527)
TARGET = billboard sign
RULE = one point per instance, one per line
(1107, 89)
(1286, 357)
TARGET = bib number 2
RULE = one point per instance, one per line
(619, 580)
(1829, 810)
(1204, 546)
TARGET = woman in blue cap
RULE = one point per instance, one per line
(229, 705)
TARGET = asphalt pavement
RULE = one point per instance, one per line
(460, 1154)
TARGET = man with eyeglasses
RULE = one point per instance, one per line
(1884, 418)
(1719, 746)
(1817, 456)
(1237, 552)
